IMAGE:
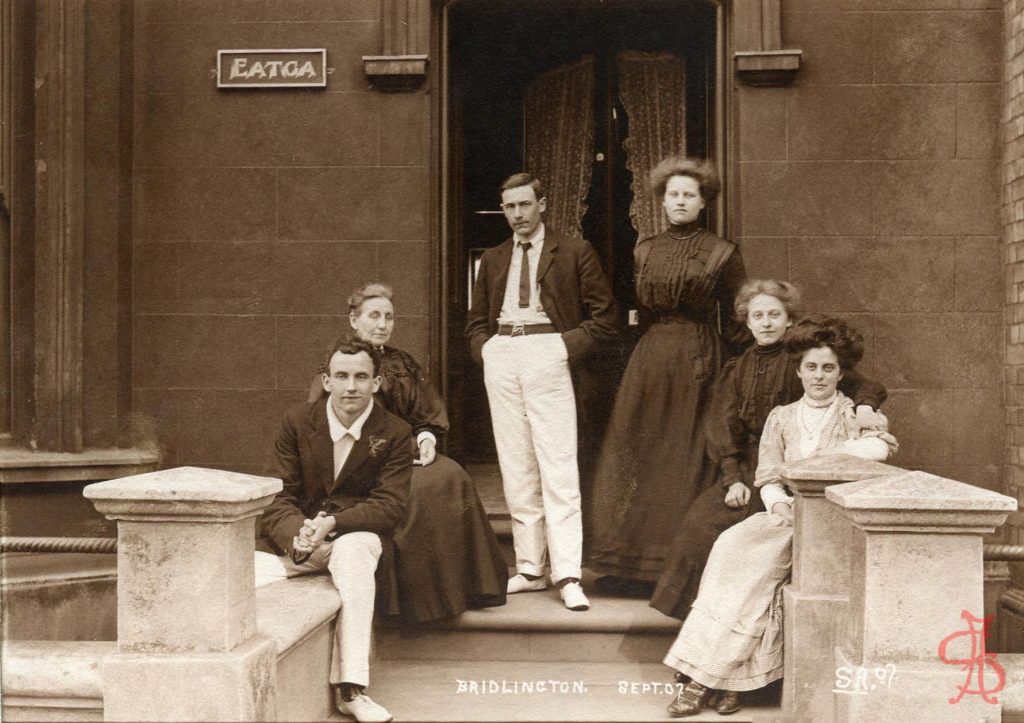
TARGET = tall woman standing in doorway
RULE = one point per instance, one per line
(652, 464)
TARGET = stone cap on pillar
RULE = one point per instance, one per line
(921, 502)
(184, 494)
(810, 476)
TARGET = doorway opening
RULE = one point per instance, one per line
(620, 79)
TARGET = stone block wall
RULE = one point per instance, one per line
(872, 183)
(257, 212)
(1013, 237)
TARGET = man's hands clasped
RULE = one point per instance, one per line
(313, 532)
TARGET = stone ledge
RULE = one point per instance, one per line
(1012, 695)
(47, 568)
(290, 610)
(58, 669)
(192, 494)
(19, 465)
(767, 68)
(395, 73)
(543, 612)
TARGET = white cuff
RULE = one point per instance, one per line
(774, 492)
(867, 448)
(425, 434)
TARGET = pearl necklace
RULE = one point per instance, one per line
(813, 430)
(687, 237)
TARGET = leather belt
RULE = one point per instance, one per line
(526, 329)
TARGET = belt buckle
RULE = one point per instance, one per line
(518, 330)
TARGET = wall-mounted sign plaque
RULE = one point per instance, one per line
(288, 68)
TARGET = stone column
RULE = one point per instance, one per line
(187, 647)
(817, 595)
(916, 571)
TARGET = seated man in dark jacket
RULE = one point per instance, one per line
(346, 465)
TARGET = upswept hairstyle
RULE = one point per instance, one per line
(701, 171)
(352, 345)
(371, 290)
(524, 179)
(784, 291)
(817, 330)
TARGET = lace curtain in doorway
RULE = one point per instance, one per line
(652, 88)
(559, 140)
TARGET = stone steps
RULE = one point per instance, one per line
(444, 690)
(480, 667)
(537, 627)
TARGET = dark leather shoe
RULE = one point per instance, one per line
(729, 703)
(689, 701)
(714, 696)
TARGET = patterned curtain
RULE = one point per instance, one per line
(652, 88)
(559, 140)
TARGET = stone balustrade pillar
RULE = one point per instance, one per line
(817, 595)
(187, 646)
(916, 570)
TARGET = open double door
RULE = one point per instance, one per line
(588, 95)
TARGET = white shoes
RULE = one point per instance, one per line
(573, 597)
(363, 709)
(572, 592)
(518, 583)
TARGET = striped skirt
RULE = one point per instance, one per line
(732, 638)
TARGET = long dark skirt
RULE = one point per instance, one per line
(653, 462)
(447, 559)
(707, 518)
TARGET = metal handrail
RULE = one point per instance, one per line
(1008, 553)
(59, 544)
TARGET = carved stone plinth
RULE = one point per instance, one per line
(916, 579)
(187, 645)
(817, 596)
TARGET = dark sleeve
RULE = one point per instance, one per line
(862, 390)
(723, 430)
(601, 324)
(735, 335)
(384, 509)
(426, 411)
(283, 518)
(477, 323)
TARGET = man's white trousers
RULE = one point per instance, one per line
(352, 562)
(533, 410)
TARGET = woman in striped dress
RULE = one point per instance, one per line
(732, 639)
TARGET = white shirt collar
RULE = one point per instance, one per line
(339, 430)
(536, 241)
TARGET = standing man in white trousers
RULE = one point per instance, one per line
(541, 303)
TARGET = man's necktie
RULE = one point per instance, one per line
(524, 278)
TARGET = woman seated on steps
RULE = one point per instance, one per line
(732, 639)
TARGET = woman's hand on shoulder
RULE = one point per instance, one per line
(737, 495)
(428, 451)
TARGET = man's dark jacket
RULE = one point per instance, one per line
(573, 290)
(370, 493)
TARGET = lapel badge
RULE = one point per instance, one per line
(376, 444)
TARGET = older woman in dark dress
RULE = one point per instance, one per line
(746, 390)
(446, 556)
(652, 464)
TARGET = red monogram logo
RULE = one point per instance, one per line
(975, 664)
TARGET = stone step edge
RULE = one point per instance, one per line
(579, 622)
